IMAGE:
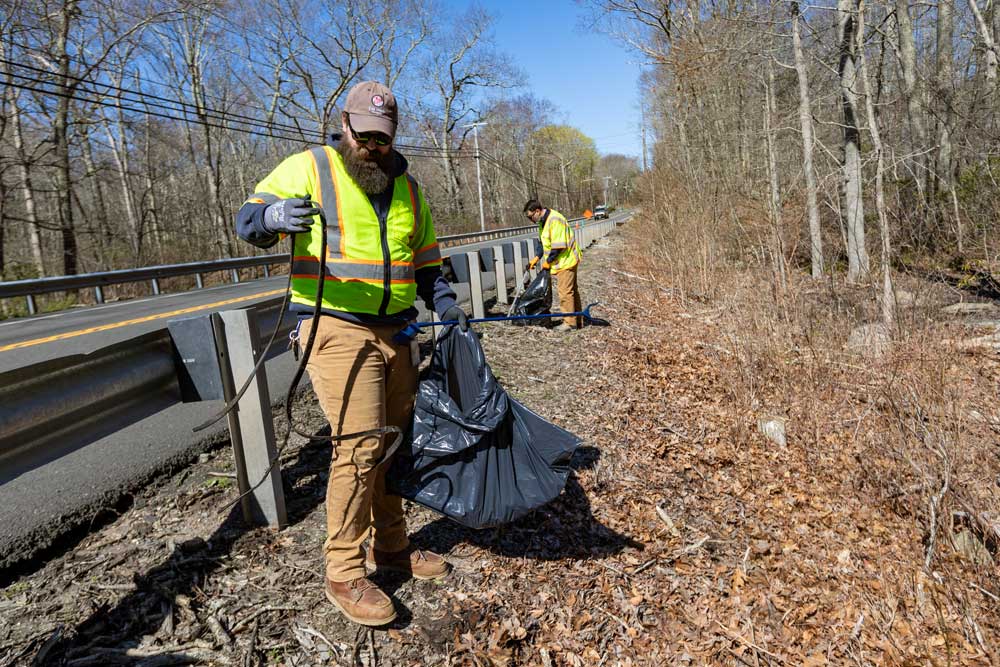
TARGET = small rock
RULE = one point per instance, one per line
(964, 308)
(773, 428)
(905, 299)
(760, 547)
(870, 340)
(204, 457)
(989, 341)
(971, 549)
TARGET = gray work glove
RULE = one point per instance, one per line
(456, 313)
(290, 216)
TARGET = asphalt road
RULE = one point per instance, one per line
(43, 503)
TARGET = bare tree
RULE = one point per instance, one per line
(460, 66)
(774, 199)
(943, 89)
(912, 95)
(888, 299)
(853, 205)
(806, 125)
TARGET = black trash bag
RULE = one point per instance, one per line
(534, 300)
(473, 453)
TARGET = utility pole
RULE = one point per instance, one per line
(479, 174)
(643, 145)
(590, 192)
(606, 179)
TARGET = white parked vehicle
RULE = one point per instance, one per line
(600, 212)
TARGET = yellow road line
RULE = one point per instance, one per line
(148, 318)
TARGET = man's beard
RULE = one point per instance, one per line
(369, 169)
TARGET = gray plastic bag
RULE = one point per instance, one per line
(473, 453)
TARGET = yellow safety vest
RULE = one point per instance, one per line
(369, 269)
(556, 233)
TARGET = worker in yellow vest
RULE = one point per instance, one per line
(381, 254)
(560, 255)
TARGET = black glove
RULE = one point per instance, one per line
(290, 216)
(456, 313)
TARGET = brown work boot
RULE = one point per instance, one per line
(361, 601)
(421, 564)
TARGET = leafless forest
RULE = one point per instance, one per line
(132, 130)
(862, 133)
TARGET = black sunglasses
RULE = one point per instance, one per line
(364, 137)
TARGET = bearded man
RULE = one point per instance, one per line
(382, 253)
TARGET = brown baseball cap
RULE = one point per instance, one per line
(372, 108)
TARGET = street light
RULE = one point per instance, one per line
(479, 174)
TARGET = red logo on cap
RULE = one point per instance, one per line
(377, 100)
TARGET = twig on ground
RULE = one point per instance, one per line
(161, 656)
(645, 566)
(253, 617)
(614, 569)
(749, 644)
(665, 290)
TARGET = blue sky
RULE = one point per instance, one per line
(586, 74)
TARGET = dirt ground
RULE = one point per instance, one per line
(684, 537)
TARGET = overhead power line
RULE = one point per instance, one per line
(123, 98)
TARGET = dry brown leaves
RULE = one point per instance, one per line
(684, 537)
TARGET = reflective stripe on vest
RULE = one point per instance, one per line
(358, 276)
(562, 238)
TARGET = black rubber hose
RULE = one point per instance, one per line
(300, 370)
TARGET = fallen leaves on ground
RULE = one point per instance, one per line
(684, 535)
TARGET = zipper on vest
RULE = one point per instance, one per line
(386, 260)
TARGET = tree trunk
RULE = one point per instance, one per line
(3, 239)
(120, 149)
(914, 115)
(943, 90)
(853, 206)
(97, 192)
(986, 34)
(774, 201)
(27, 188)
(451, 175)
(150, 209)
(60, 131)
(888, 300)
(805, 123)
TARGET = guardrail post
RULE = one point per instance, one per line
(475, 285)
(267, 271)
(32, 307)
(518, 267)
(236, 275)
(251, 426)
(99, 294)
(156, 286)
(198, 281)
(500, 267)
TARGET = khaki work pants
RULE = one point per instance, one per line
(363, 381)
(569, 295)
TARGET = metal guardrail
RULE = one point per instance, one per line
(82, 393)
(91, 395)
(99, 280)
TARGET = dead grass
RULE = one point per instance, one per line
(685, 537)
(904, 441)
